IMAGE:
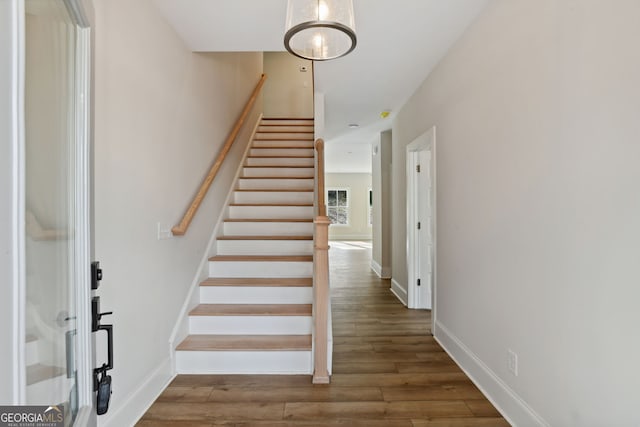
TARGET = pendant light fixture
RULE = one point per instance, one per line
(320, 29)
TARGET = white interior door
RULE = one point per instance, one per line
(424, 247)
(421, 221)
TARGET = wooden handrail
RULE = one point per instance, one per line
(322, 207)
(321, 277)
(181, 228)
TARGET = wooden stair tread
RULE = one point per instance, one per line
(309, 119)
(301, 282)
(277, 177)
(268, 220)
(246, 343)
(278, 166)
(265, 238)
(285, 131)
(38, 373)
(275, 190)
(280, 156)
(271, 204)
(278, 147)
(267, 122)
(251, 310)
(263, 123)
(284, 139)
(263, 258)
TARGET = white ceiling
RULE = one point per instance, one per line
(399, 43)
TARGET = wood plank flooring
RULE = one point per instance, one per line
(387, 371)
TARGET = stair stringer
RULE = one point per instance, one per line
(181, 330)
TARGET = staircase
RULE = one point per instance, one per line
(255, 310)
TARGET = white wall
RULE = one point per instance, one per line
(8, 34)
(382, 225)
(162, 114)
(358, 185)
(288, 92)
(536, 109)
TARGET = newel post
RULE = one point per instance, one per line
(321, 298)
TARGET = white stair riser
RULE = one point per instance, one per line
(250, 325)
(268, 212)
(282, 143)
(32, 355)
(265, 247)
(284, 135)
(258, 269)
(256, 295)
(49, 390)
(286, 128)
(273, 197)
(278, 172)
(286, 122)
(244, 362)
(280, 161)
(268, 228)
(286, 152)
(287, 184)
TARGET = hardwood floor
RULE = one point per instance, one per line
(387, 371)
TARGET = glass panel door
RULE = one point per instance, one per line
(52, 238)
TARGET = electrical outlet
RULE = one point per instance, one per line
(164, 231)
(512, 362)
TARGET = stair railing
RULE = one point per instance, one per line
(183, 225)
(321, 275)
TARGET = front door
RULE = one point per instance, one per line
(58, 351)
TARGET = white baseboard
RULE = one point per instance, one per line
(376, 268)
(382, 272)
(129, 409)
(399, 292)
(512, 407)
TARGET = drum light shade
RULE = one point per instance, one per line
(320, 29)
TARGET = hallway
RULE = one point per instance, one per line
(387, 371)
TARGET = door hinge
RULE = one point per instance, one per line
(418, 168)
(418, 226)
(418, 282)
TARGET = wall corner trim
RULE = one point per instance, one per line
(376, 268)
(382, 272)
(134, 406)
(399, 292)
(512, 407)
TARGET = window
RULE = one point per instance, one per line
(338, 206)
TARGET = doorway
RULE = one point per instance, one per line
(421, 221)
